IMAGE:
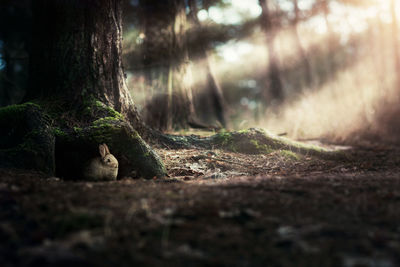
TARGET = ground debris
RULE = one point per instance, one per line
(216, 208)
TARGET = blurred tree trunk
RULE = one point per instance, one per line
(80, 58)
(166, 64)
(302, 52)
(331, 62)
(213, 91)
(6, 79)
(274, 88)
(395, 36)
(380, 47)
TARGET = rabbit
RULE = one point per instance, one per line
(104, 168)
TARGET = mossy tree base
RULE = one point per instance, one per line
(135, 157)
(30, 139)
(26, 139)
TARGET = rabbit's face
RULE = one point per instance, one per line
(110, 160)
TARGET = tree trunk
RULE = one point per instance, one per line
(166, 64)
(274, 84)
(6, 79)
(213, 91)
(302, 52)
(330, 64)
(76, 54)
(274, 88)
(395, 36)
(76, 73)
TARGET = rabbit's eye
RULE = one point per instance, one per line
(108, 160)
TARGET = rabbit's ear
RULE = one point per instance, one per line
(102, 151)
(106, 148)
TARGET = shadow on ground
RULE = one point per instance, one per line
(216, 209)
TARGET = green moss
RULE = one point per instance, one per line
(289, 155)
(16, 111)
(261, 148)
(106, 121)
(258, 141)
(243, 131)
(94, 108)
(77, 129)
(224, 138)
(27, 139)
(59, 133)
(111, 112)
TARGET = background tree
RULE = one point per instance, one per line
(166, 64)
(395, 30)
(212, 98)
(14, 49)
(302, 53)
(274, 86)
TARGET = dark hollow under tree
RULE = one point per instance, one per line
(77, 80)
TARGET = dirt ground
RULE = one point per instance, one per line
(216, 209)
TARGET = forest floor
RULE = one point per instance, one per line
(217, 208)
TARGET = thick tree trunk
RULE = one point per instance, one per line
(76, 73)
(274, 84)
(166, 64)
(76, 54)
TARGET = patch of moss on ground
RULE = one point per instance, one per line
(259, 141)
(290, 155)
(224, 138)
(261, 148)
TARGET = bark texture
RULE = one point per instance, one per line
(76, 54)
(77, 76)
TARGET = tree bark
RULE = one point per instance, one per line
(76, 54)
(76, 74)
(166, 64)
